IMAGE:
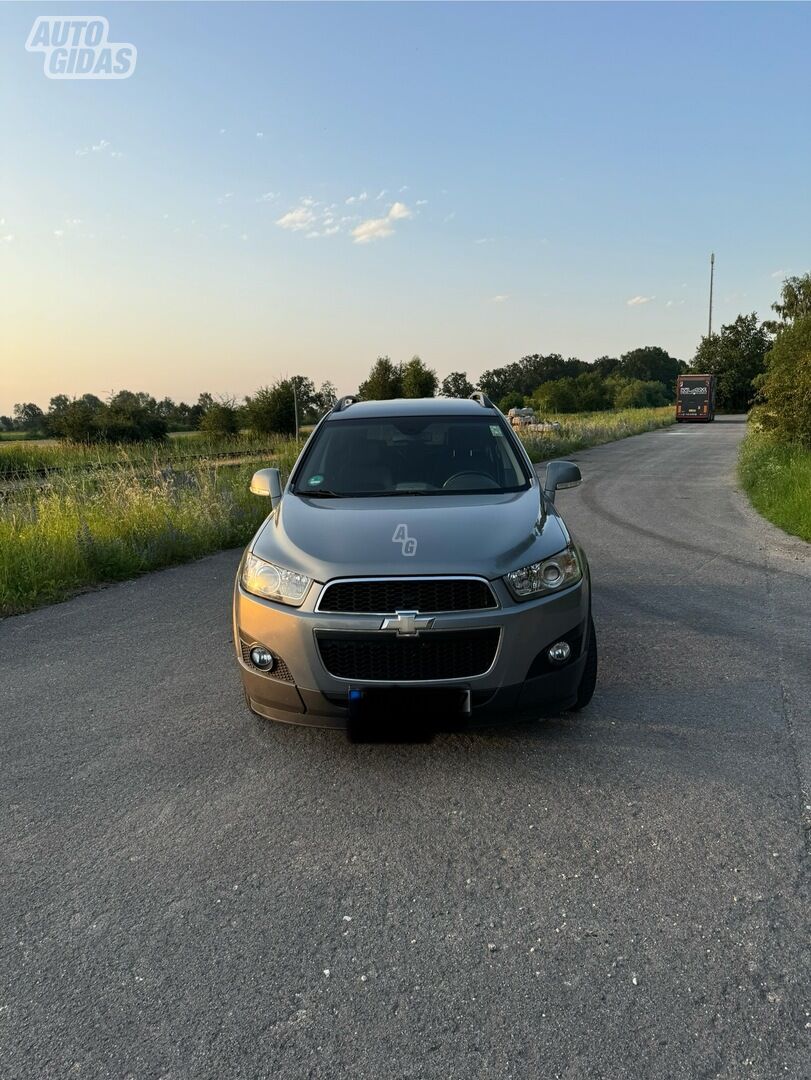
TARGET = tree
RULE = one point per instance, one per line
(385, 381)
(418, 381)
(511, 401)
(592, 393)
(784, 388)
(57, 408)
(271, 409)
(325, 397)
(527, 374)
(636, 394)
(794, 303)
(82, 420)
(557, 396)
(605, 365)
(221, 418)
(6, 423)
(29, 416)
(736, 356)
(456, 385)
(651, 364)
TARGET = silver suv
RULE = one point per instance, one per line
(414, 569)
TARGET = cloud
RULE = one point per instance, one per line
(484, 240)
(298, 219)
(635, 301)
(372, 229)
(422, 202)
(59, 233)
(499, 298)
(226, 197)
(779, 274)
(381, 227)
(399, 211)
(97, 148)
(364, 195)
(269, 196)
(7, 239)
(260, 134)
(380, 195)
(222, 131)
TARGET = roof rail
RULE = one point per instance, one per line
(345, 402)
(482, 399)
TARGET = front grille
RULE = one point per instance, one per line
(433, 656)
(280, 670)
(385, 596)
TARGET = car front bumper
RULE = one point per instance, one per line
(521, 681)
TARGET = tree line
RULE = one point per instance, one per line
(768, 363)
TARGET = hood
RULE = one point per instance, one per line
(486, 535)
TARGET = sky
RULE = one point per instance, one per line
(297, 189)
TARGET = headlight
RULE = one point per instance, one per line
(273, 582)
(548, 576)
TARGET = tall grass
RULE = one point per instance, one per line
(81, 529)
(777, 478)
(581, 430)
(20, 458)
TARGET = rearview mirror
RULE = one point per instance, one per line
(560, 474)
(267, 482)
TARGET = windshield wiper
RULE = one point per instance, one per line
(320, 493)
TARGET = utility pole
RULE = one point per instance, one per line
(712, 275)
(295, 404)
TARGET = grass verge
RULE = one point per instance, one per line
(777, 478)
(81, 529)
(578, 431)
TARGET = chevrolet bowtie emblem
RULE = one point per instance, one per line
(407, 623)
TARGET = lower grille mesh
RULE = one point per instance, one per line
(449, 654)
(280, 670)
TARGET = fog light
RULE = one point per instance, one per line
(560, 652)
(262, 658)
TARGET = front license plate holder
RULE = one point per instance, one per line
(405, 714)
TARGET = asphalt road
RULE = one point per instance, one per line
(189, 891)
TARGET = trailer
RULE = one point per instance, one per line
(695, 398)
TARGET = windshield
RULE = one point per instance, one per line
(416, 455)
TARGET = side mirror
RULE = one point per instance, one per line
(267, 482)
(560, 474)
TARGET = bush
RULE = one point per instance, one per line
(777, 478)
(784, 389)
(271, 410)
(636, 394)
(221, 418)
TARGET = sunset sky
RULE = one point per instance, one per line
(297, 189)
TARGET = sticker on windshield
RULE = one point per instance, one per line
(496, 430)
(314, 481)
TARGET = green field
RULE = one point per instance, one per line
(777, 478)
(106, 514)
(19, 458)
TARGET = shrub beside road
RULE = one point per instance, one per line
(775, 461)
(777, 478)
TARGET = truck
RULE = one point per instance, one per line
(695, 398)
